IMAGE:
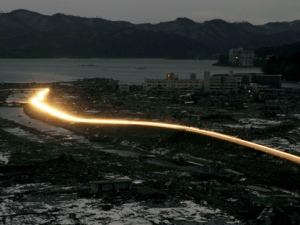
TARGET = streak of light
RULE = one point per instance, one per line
(38, 102)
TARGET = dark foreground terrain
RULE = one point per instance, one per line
(48, 178)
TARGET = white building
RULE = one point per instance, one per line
(173, 83)
(223, 83)
(241, 57)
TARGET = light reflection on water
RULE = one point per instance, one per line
(19, 97)
(17, 115)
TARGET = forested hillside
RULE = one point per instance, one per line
(26, 34)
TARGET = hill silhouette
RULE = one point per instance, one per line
(26, 34)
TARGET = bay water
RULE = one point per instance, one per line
(127, 71)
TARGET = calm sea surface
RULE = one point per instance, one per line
(125, 70)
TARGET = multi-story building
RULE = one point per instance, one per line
(226, 83)
(222, 83)
(217, 83)
(241, 57)
(172, 83)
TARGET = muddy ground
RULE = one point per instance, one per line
(222, 174)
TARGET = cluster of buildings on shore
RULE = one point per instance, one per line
(218, 83)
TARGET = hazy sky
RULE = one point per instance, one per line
(154, 11)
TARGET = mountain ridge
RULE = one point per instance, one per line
(30, 34)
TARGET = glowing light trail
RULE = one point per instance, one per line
(37, 101)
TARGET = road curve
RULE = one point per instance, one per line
(38, 102)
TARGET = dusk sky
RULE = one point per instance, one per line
(155, 11)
